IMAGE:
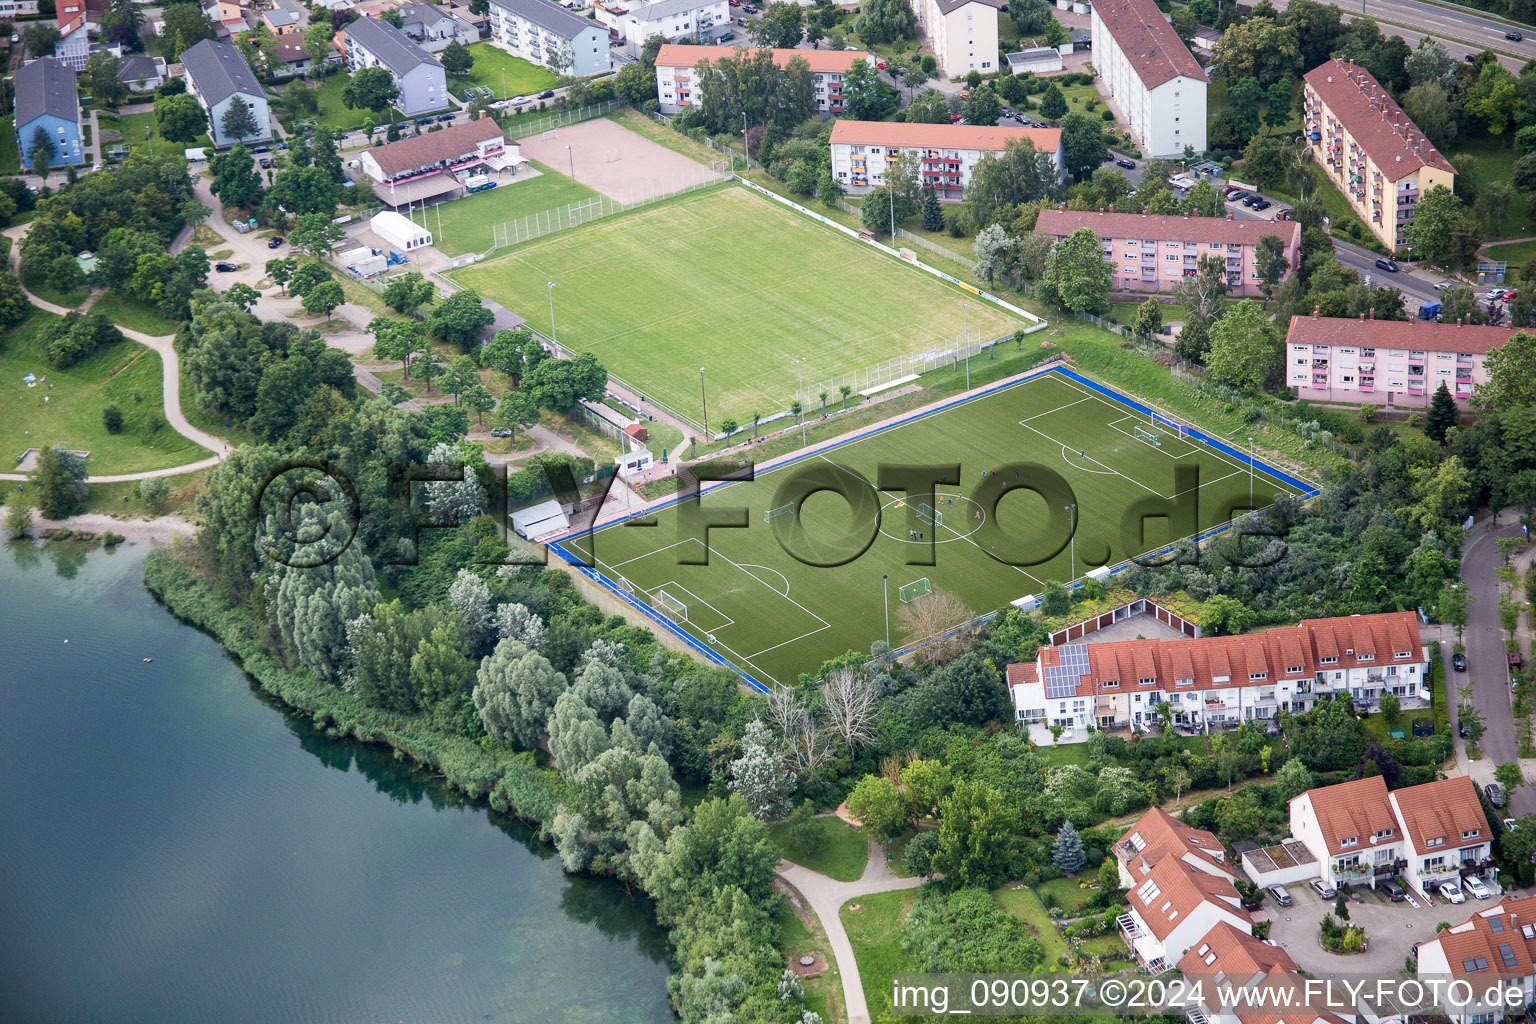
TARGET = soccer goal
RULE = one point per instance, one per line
(914, 590)
(1149, 437)
(669, 606)
(612, 156)
(926, 513)
(774, 513)
(623, 584)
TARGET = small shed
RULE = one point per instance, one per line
(539, 521)
(637, 461)
(399, 231)
(362, 261)
(1042, 60)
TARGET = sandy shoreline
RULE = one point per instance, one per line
(158, 530)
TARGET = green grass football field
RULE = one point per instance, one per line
(779, 598)
(731, 282)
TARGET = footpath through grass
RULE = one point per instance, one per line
(126, 374)
(843, 852)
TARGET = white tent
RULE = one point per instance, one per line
(399, 231)
(541, 520)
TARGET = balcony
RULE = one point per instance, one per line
(1319, 364)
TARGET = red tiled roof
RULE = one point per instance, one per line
(430, 147)
(1159, 834)
(1392, 141)
(1173, 890)
(1406, 334)
(1151, 45)
(1167, 228)
(1442, 810)
(1354, 810)
(945, 136)
(1475, 939)
(1236, 954)
(681, 55)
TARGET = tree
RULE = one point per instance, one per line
(18, 519)
(1083, 144)
(850, 699)
(1269, 253)
(867, 96)
(178, 118)
(576, 736)
(112, 419)
(317, 43)
(153, 491)
(238, 122)
(976, 835)
(992, 248)
(1493, 202)
(885, 21)
(780, 26)
(370, 89)
(306, 190)
(968, 691)
(1149, 319)
(1076, 274)
(281, 271)
(1391, 710)
(1430, 108)
(408, 292)
(1508, 775)
(929, 107)
(101, 81)
(1053, 104)
(1511, 372)
(459, 318)
(933, 213)
(1431, 64)
(1245, 347)
(1442, 415)
(1067, 851)
(457, 60)
(878, 806)
(515, 692)
(185, 25)
(315, 233)
(917, 858)
(58, 479)
(235, 180)
(1246, 96)
(324, 298)
(558, 384)
(42, 152)
(479, 398)
(1434, 218)
(1258, 48)
(759, 776)
(462, 375)
(982, 107)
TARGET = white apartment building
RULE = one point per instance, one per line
(1152, 75)
(961, 33)
(1445, 831)
(549, 35)
(1218, 681)
(693, 21)
(1498, 941)
(1391, 362)
(862, 151)
(677, 73)
(1352, 830)
(375, 43)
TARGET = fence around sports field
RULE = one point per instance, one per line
(574, 215)
(518, 129)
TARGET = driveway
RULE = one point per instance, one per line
(1391, 930)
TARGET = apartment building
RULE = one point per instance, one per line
(12, 9)
(677, 73)
(1219, 681)
(1387, 362)
(1173, 907)
(216, 74)
(862, 151)
(373, 43)
(1352, 830)
(1445, 832)
(550, 35)
(1498, 941)
(1152, 75)
(693, 21)
(1369, 148)
(47, 101)
(1153, 253)
(961, 33)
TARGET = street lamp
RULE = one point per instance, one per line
(552, 335)
(966, 345)
(801, 372)
(1071, 511)
(746, 145)
(1250, 474)
(573, 162)
(885, 588)
(705, 401)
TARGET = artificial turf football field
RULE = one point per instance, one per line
(732, 282)
(774, 615)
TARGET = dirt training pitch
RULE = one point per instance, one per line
(615, 161)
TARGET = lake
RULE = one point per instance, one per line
(175, 848)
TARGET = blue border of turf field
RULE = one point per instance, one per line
(1306, 490)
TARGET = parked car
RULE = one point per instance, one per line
(1236, 194)
(954, 118)
(1395, 892)
(1510, 824)
(880, 64)
(1129, 165)
(1470, 58)
(1262, 205)
(1509, 295)
(1323, 889)
(446, 117)
(500, 432)
(1515, 661)
(1279, 895)
(1475, 887)
(1451, 891)
(422, 122)
(1253, 201)
(267, 162)
(1390, 266)
(275, 241)
(727, 37)
(261, 149)
(1283, 214)
(1459, 662)
(1515, 36)
(225, 268)
(1495, 794)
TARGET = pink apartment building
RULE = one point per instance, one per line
(1386, 362)
(1153, 252)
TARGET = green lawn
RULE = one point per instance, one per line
(874, 931)
(1495, 158)
(1022, 903)
(1068, 893)
(502, 73)
(130, 313)
(1335, 206)
(71, 416)
(333, 114)
(823, 993)
(777, 614)
(699, 281)
(843, 854)
(138, 131)
(1516, 254)
(38, 286)
(10, 157)
(467, 223)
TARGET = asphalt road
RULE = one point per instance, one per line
(1471, 29)
(1486, 664)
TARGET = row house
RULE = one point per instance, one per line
(375, 43)
(1499, 942)
(863, 151)
(678, 73)
(1159, 834)
(1390, 362)
(550, 36)
(1220, 681)
(1445, 832)
(1240, 979)
(73, 48)
(1369, 148)
(1173, 906)
(1154, 253)
(1152, 75)
(634, 21)
(961, 33)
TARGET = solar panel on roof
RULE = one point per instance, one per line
(1061, 680)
